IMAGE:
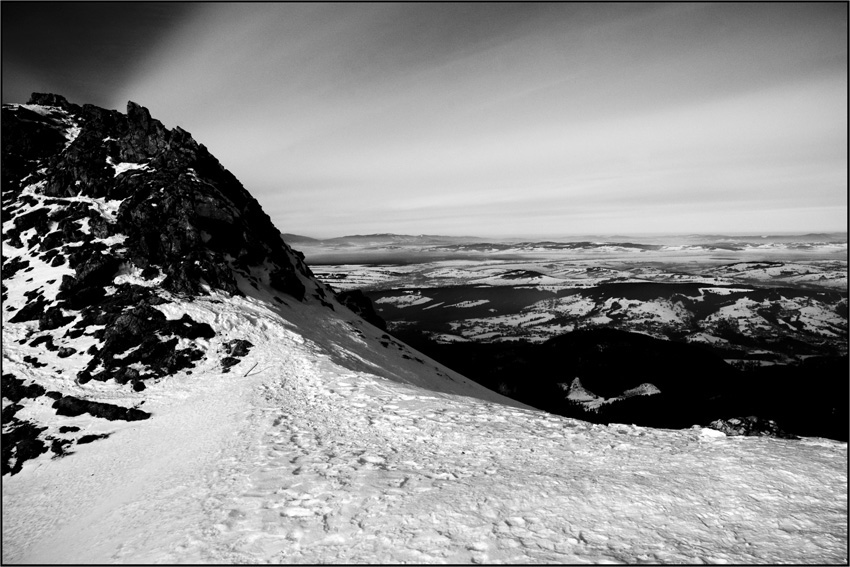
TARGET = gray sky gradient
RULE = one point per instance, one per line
(490, 119)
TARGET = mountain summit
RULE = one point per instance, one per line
(178, 388)
(174, 208)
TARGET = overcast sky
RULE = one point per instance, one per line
(478, 119)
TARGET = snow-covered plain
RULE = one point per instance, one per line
(333, 449)
(569, 269)
(405, 300)
(723, 293)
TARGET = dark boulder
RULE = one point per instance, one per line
(131, 328)
(750, 426)
(59, 447)
(91, 438)
(97, 270)
(12, 266)
(188, 328)
(32, 311)
(14, 390)
(73, 406)
(9, 412)
(65, 352)
(238, 347)
(46, 340)
(53, 318)
(20, 443)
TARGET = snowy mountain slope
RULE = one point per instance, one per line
(272, 424)
(97, 249)
(306, 460)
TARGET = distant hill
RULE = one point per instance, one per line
(297, 238)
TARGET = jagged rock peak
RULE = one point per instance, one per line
(179, 211)
(111, 222)
(49, 99)
(120, 214)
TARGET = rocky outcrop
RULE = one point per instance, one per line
(180, 210)
(173, 217)
(234, 350)
(750, 426)
(73, 406)
(14, 390)
(356, 301)
(131, 215)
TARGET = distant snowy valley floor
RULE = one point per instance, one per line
(751, 318)
(313, 457)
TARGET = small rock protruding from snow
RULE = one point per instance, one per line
(750, 426)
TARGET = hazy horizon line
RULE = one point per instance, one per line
(538, 236)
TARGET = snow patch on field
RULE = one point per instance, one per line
(467, 304)
(445, 338)
(576, 392)
(407, 300)
(659, 311)
(571, 305)
(724, 290)
(706, 338)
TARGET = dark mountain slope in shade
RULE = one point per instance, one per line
(696, 386)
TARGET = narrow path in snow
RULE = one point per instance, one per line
(134, 492)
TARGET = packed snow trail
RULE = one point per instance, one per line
(311, 458)
(413, 478)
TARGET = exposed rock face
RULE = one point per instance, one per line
(176, 218)
(129, 215)
(750, 426)
(235, 350)
(356, 301)
(179, 211)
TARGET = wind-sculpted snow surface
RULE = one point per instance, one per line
(331, 451)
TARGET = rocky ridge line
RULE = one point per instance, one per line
(105, 217)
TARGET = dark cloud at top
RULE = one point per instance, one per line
(82, 50)
(562, 118)
(410, 32)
